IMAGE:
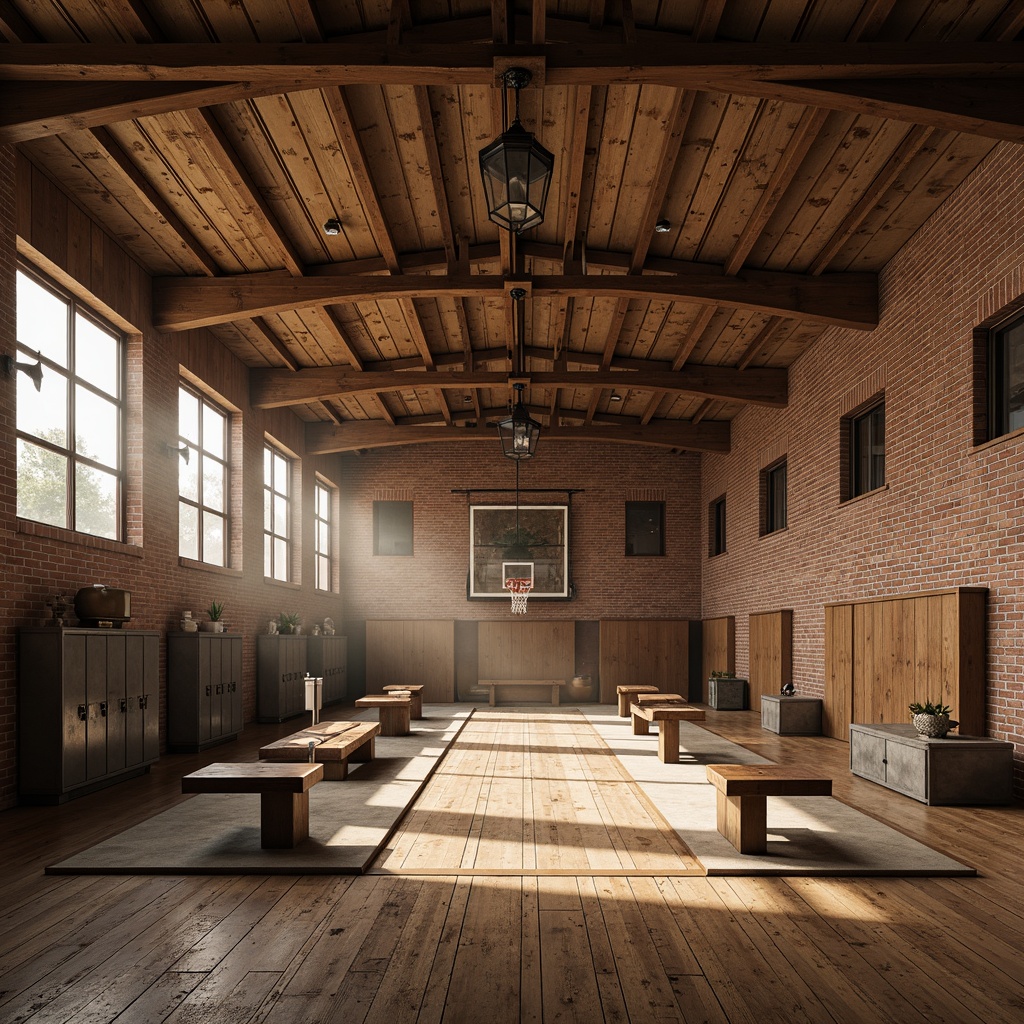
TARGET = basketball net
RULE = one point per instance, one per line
(520, 591)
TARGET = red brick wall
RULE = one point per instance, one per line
(40, 561)
(431, 583)
(951, 514)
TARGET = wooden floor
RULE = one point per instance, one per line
(474, 947)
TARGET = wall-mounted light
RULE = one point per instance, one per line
(332, 226)
(183, 451)
(32, 370)
(516, 169)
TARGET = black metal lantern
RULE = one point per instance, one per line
(520, 432)
(516, 170)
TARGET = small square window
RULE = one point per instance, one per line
(392, 527)
(716, 527)
(645, 527)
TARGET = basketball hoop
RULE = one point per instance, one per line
(520, 590)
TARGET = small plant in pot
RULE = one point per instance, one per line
(931, 719)
(288, 622)
(215, 611)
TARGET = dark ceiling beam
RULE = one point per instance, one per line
(270, 389)
(845, 300)
(325, 438)
(660, 59)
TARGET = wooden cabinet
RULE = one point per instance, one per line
(280, 671)
(327, 657)
(953, 770)
(204, 689)
(883, 654)
(88, 709)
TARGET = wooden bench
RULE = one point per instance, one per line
(493, 684)
(668, 716)
(394, 711)
(742, 795)
(626, 694)
(283, 789)
(415, 690)
(334, 745)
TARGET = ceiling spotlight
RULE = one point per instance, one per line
(332, 226)
(663, 226)
(615, 398)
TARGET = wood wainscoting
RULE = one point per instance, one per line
(412, 651)
(654, 651)
(882, 654)
(719, 646)
(771, 654)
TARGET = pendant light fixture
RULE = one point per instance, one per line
(516, 169)
(519, 432)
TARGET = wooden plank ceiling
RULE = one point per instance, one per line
(791, 145)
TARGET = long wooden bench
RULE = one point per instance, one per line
(742, 795)
(668, 715)
(283, 790)
(493, 684)
(334, 745)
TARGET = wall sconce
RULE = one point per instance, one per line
(31, 370)
(516, 169)
(183, 451)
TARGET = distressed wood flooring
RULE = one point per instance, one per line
(517, 944)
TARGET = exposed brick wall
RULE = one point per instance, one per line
(431, 583)
(951, 514)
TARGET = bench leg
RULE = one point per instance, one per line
(284, 820)
(492, 689)
(743, 820)
(363, 752)
(335, 771)
(417, 705)
(641, 727)
(623, 705)
(554, 695)
(394, 721)
(668, 741)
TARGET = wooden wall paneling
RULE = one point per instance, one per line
(837, 705)
(652, 651)
(587, 655)
(914, 647)
(467, 655)
(412, 651)
(528, 650)
(719, 643)
(771, 654)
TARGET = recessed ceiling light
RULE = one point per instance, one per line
(615, 397)
(332, 226)
(663, 227)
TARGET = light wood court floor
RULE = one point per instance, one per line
(478, 948)
(535, 793)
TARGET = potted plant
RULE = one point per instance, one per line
(215, 611)
(288, 622)
(931, 719)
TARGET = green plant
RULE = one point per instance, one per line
(287, 621)
(720, 674)
(215, 611)
(928, 708)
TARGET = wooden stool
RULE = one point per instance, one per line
(395, 712)
(742, 795)
(625, 694)
(283, 789)
(415, 690)
(668, 716)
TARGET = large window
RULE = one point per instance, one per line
(277, 514)
(867, 449)
(323, 529)
(203, 484)
(70, 430)
(774, 497)
(716, 526)
(1006, 377)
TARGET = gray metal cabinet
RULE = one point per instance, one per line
(204, 689)
(88, 709)
(327, 657)
(280, 671)
(952, 770)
